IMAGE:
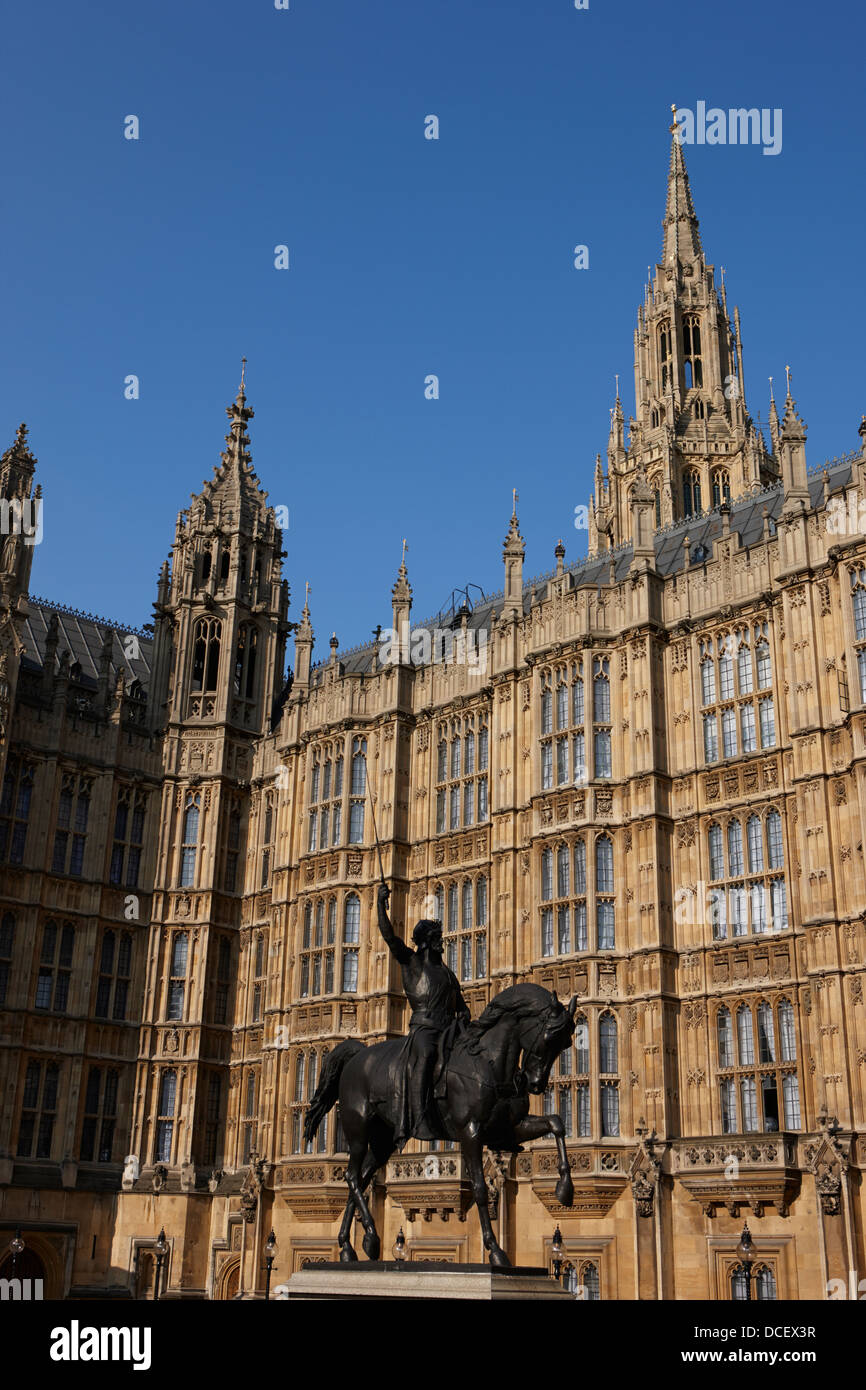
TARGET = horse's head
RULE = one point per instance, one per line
(554, 1035)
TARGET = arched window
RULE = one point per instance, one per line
(206, 560)
(607, 1044)
(755, 841)
(580, 866)
(691, 492)
(581, 1045)
(563, 876)
(775, 848)
(765, 1284)
(692, 351)
(721, 482)
(245, 661)
(358, 789)
(787, 1035)
(590, 1283)
(546, 874)
(225, 561)
(745, 1036)
(766, 1035)
(189, 845)
(725, 1037)
(698, 406)
(466, 903)
(165, 1117)
(664, 340)
(717, 858)
(206, 654)
(735, 847)
(177, 975)
(604, 864)
(481, 902)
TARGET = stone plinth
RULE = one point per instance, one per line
(425, 1279)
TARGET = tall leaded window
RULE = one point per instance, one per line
(207, 634)
(748, 893)
(259, 990)
(692, 370)
(565, 893)
(465, 927)
(55, 967)
(564, 727)
(115, 970)
(357, 791)
(691, 492)
(462, 770)
(244, 676)
(665, 358)
(167, 1098)
(70, 836)
(326, 794)
(128, 837)
(586, 1098)
(268, 830)
(223, 980)
(318, 946)
(15, 809)
(189, 844)
(178, 960)
(307, 1070)
(739, 704)
(213, 1112)
(100, 1113)
(351, 943)
(721, 483)
(601, 717)
(759, 1088)
(38, 1109)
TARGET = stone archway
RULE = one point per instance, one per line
(228, 1280)
(38, 1260)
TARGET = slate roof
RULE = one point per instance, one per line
(82, 635)
(746, 520)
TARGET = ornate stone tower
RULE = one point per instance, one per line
(20, 530)
(219, 649)
(693, 437)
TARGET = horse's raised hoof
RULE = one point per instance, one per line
(565, 1191)
(372, 1247)
(498, 1258)
(347, 1255)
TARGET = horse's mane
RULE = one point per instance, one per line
(518, 1001)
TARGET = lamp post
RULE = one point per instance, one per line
(746, 1252)
(556, 1252)
(161, 1249)
(270, 1254)
(400, 1248)
(16, 1245)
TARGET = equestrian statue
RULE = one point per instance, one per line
(450, 1078)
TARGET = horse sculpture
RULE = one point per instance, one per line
(482, 1099)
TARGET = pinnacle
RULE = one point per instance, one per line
(682, 241)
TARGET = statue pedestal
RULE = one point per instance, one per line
(426, 1279)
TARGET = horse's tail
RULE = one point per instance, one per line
(326, 1092)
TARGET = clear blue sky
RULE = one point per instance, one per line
(408, 257)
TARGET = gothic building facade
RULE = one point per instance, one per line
(646, 788)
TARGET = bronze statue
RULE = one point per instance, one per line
(439, 1011)
(451, 1078)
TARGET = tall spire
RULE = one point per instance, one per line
(681, 239)
(237, 449)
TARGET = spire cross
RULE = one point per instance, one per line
(788, 375)
(514, 496)
(243, 371)
(403, 556)
(306, 593)
(616, 378)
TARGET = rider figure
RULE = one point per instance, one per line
(439, 1012)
